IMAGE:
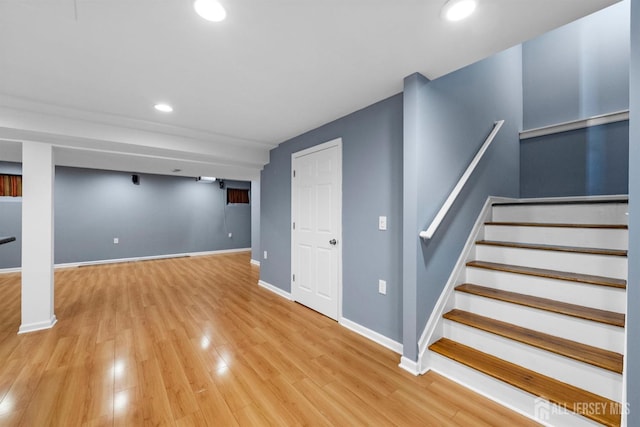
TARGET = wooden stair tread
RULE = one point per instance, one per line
(596, 315)
(551, 274)
(556, 248)
(584, 353)
(557, 392)
(558, 225)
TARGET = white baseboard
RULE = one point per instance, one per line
(372, 335)
(254, 262)
(218, 252)
(275, 290)
(134, 259)
(409, 366)
(349, 324)
(38, 326)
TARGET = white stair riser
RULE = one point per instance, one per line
(597, 213)
(596, 380)
(506, 394)
(599, 265)
(595, 296)
(585, 331)
(582, 237)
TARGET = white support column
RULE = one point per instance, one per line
(37, 237)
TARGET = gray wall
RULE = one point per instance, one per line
(451, 117)
(161, 216)
(10, 221)
(633, 288)
(372, 186)
(582, 162)
(255, 220)
(579, 70)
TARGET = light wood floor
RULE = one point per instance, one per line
(195, 341)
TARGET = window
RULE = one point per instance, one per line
(10, 185)
(237, 195)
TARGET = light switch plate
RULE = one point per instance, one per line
(382, 223)
(382, 287)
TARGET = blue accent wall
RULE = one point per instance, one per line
(633, 286)
(255, 220)
(576, 72)
(11, 225)
(371, 186)
(10, 168)
(591, 161)
(449, 119)
(579, 70)
(163, 215)
(445, 121)
(11, 221)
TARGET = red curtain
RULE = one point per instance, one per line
(237, 195)
(11, 185)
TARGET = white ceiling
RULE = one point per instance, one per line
(91, 70)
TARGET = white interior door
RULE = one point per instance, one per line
(316, 204)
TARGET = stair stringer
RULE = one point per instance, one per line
(434, 327)
(625, 402)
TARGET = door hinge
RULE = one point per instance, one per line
(294, 173)
(294, 277)
(294, 225)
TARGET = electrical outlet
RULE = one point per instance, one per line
(382, 223)
(116, 240)
(230, 235)
(265, 255)
(382, 287)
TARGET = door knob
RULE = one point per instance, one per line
(333, 242)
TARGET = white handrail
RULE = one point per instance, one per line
(428, 233)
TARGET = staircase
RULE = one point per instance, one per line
(537, 319)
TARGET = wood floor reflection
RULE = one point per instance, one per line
(195, 342)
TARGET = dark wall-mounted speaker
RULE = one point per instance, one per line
(135, 179)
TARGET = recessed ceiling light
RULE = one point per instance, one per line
(457, 10)
(165, 108)
(211, 10)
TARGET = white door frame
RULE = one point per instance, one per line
(333, 143)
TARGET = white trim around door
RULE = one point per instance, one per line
(316, 228)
